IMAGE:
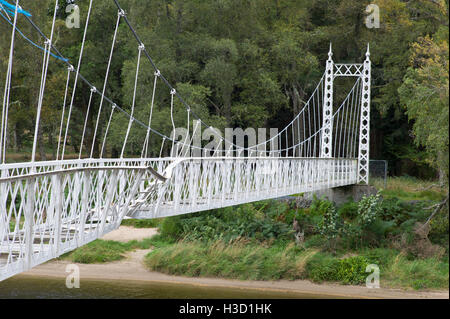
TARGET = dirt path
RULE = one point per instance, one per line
(127, 233)
(132, 269)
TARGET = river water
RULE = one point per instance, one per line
(49, 288)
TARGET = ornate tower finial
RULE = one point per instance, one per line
(368, 51)
(330, 53)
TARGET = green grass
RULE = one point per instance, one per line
(253, 261)
(409, 188)
(399, 271)
(427, 273)
(238, 260)
(102, 251)
(142, 223)
(99, 251)
(409, 196)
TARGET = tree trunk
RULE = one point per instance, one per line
(442, 177)
(51, 142)
(40, 142)
(15, 145)
(227, 108)
(298, 129)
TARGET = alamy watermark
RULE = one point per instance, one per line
(73, 19)
(73, 277)
(235, 142)
(373, 280)
(372, 19)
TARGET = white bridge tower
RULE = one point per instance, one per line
(363, 71)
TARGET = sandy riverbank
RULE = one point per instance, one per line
(127, 233)
(132, 269)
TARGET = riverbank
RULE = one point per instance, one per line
(333, 244)
(132, 270)
(250, 250)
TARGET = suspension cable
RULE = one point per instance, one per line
(43, 81)
(119, 15)
(140, 48)
(86, 120)
(76, 79)
(7, 92)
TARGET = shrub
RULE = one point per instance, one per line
(320, 206)
(331, 226)
(359, 232)
(171, 227)
(228, 224)
(276, 210)
(315, 241)
(348, 210)
(381, 228)
(399, 211)
(142, 223)
(369, 209)
(439, 229)
(368, 228)
(380, 256)
(322, 267)
(352, 270)
(307, 219)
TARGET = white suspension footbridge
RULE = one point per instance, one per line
(48, 208)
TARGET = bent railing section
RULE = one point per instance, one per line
(48, 210)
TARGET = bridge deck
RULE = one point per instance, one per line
(50, 208)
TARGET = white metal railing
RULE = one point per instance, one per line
(203, 184)
(50, 208)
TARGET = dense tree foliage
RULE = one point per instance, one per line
(242, 63)
(425, 95)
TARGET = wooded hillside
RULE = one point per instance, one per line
(244, 63)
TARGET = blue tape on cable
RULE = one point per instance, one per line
(11, 9)
(27, 39)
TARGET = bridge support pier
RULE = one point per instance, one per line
(342, 194)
